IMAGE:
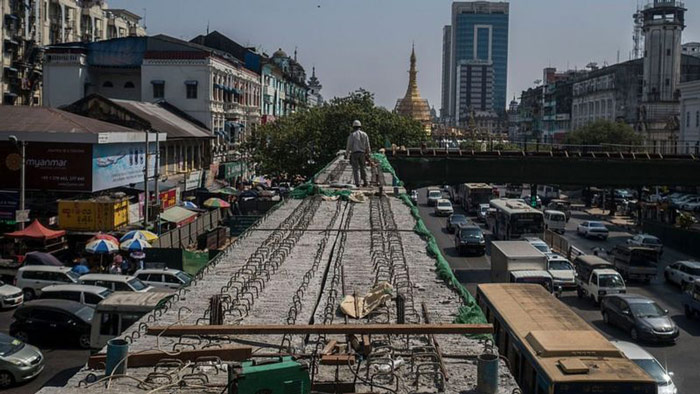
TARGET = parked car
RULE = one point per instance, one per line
(680, 200)
(648, 241)
(640, 316)
(470, 239)
(61, 318)
(443, 207)
(33, 278)
(164, 278)
(682, 273)
(19, 361)
(454, 221)
(562, 271)
(649, 364)
(538, 244)
(84, 294)
(115, 282)
(691, 300)
(593, 229)
(433, 196)
(414, 197)
(691, 203)
(482, 211)
(10, 296)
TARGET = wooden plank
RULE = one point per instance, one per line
(328, 349)
(152, 357)
(303, 329)
(426, 317)
(337, 359)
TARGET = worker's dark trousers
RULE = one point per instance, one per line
(357, 160)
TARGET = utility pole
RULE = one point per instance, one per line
(156, 176)
(22, 145)
(145, 188)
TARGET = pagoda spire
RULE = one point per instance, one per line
(413, 105)
(412, 90)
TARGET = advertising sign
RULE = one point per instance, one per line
(116, 165)
(193, 179)
(64, 167)
(168, 199)
(9, 203)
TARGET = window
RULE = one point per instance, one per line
(92, 299)
(107, 84)
(191, 89)
(687, 119)
(697, 118)
(129, 85)
(171, 279)
(158, 89)
(668, 82)
(121, 286)
(668, 52)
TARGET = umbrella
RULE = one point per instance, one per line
(189, 205)
(216, 203)
(134, 244)
(101, 246)
(41, 258)
(140, 234)
(104, 236)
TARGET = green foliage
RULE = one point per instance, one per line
(604, 132)
(306, 141)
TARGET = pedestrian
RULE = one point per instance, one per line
(115, 268)
(82, 267)
(357, 148)
(123, 264)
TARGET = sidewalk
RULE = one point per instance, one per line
(626, 222)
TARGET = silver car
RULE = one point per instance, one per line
(19, 361)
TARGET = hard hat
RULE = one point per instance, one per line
(356, 124)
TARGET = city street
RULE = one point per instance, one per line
(61, 361)
(679, 358)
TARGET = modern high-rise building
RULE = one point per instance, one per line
(475, 60)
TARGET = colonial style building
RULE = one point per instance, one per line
(27, 26)
(314, 98)
(412, 105)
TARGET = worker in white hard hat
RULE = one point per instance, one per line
(358, 149)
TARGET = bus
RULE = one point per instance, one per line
(473, 194)
(551, 350)
(514, 219)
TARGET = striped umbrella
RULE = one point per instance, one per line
(216, 203)
(140, 234)
(134, 244)
(189, 205)
(101, 246)
(104, 236)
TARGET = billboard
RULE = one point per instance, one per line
(49, 166)
(116, 165)
(9, 203)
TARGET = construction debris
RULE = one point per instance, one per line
(359, 307)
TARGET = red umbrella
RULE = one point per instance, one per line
(106, 237)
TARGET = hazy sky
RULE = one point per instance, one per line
(367, 43)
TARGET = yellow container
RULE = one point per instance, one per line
(93, 215)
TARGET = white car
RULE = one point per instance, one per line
(678, 202)
(115, 282)
(648, 241)
(164, 278)
(31, 279)
(433, 196)
(682, 273)
(592, 228)
(539, 244)
(649, 364)
(10, 296)
(84, 294)
(562, 271)
(443, 208)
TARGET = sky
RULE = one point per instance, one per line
(367, 43)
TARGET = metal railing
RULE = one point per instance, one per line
(187, 235)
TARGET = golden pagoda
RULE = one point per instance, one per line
(413, 105)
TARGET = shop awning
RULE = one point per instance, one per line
(36, 231)
(178, 215)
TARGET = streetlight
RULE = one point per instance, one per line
(22, 148)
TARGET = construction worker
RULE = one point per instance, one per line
(358, 149)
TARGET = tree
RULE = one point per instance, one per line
(304, 142)
(604, 132)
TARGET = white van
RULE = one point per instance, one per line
(555, 221)
(84, 294)
(119, 311)
(115, 282)
(32, 279)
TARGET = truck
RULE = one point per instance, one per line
(519, 262)
(636, 262)
(597, 278)
(471, 195)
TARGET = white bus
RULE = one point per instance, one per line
(473, 194)
(514, 219)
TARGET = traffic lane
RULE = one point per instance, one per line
(680, 358)
(62, 361)
(469, 270)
